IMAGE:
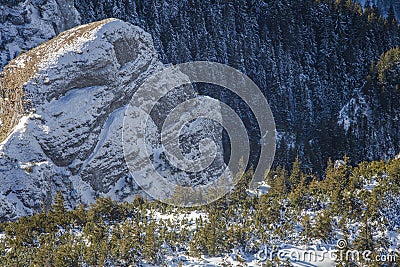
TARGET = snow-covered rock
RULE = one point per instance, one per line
(69, 136)
(24, 24)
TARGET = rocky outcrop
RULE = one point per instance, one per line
(71, 94)
(24, 25)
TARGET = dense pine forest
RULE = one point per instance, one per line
(358, 204)
(310, 58)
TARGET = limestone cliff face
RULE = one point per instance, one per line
(68, 98)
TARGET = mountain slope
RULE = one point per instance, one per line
(310, 58)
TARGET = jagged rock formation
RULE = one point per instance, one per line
(72, 93)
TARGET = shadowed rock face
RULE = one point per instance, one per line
(71, 93)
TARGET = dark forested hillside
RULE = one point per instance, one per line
(310, 58)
